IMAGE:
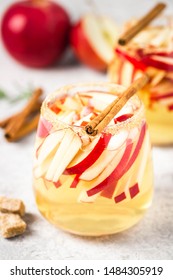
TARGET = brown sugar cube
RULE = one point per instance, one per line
(10, 205)
(11, 225)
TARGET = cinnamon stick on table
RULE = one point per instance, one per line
(25, 121)
(103, 119)
(143, 22)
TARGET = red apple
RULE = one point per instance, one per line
(93, 40)
(35, 32)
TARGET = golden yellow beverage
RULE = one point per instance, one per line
(92, 185)
(150, 51)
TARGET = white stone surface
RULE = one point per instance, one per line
(152, 238)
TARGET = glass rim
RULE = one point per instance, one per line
(50, 116)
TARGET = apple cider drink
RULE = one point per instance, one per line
(152, 51)
(92, 185)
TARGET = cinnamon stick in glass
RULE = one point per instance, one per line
(98, 124)
(141, 24)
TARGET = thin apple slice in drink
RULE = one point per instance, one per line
(112, 172)
(169, 75)
(101, 100)
(44, 128)
(138, 64)
(67, 149)
(161, 38)
(106, 156)
(131, 178)
(126, 73)
(50, 143)
(124, 165)
(84, 198)
(159, 62)
(72, 104)
(90, 159)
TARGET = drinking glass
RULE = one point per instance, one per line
(150, 51)
(92, 185)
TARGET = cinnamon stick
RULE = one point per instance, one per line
(143, 22)
(103, 119)
(24, 122)
(13, 126)
(25, 129)
(4, 123)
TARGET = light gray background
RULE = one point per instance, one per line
(152, 238)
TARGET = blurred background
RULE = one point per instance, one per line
(14, 76)
(16, 81)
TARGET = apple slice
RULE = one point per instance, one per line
(130, 179)
(84, 198)
(136, 63)
(102, 34)
(90, 159)
(50, 143)
(126, 73)
(159, 62)
(109, 174)
(115, 144)
(101, 100)
(170, 107)
(44, 128)
(93, 40)
(67, 149)
(124, 165)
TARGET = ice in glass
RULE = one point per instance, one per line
(92, 185)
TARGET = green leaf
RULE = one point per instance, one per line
(3, 95)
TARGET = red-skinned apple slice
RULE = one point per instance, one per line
(93, 40)
(137, 63)
(170, 107)
(124, 165)
(106, 156)
(102, 34)
(83, 50)
(107, 177)
(159, 62)
(44, 128)
(129, 179)
(91, 157)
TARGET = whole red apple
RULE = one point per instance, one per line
(35, 32)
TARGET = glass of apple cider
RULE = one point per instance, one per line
(92, 185)
(152, 51)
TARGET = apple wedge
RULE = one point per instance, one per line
(93, 40)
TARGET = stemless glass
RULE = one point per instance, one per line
(92, 185)
(152, 51)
